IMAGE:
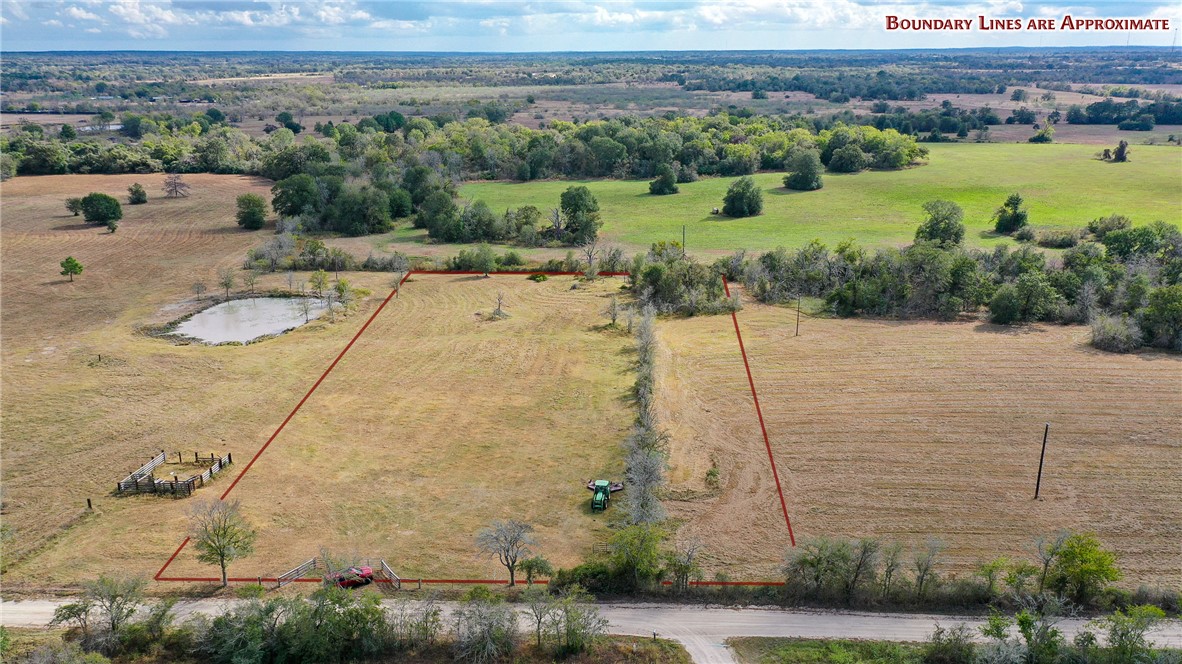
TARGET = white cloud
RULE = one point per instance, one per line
(53, 23)
(16, 8)
(81, 14)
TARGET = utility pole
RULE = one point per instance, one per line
(1038, 483)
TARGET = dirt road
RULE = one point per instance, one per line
(701, 630)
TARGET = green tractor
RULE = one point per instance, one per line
(603, 491)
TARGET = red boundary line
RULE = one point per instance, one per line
(759, 413)
(160, 574)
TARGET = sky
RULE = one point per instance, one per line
(545, 25)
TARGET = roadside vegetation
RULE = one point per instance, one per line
(114, 622)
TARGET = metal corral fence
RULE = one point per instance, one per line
(382, 573)
(143, 481)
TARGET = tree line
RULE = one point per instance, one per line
(1125, 281)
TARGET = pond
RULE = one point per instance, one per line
(251, 318)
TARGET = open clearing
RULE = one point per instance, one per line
(1063, 185)
(438, 422)
(909, 430)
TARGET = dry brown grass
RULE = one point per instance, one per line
(73, 425)
(910, 430)
(440, 421)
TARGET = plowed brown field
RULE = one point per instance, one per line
(911, 430)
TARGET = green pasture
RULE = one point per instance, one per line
(1064, 186)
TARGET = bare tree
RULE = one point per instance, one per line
(508, 542)
(291, 280)
(682, 563)
(556, 222)
(199, 289)
(590, 251)
(220, 533)
(892, 560)
(1047, 549)
(860, 565)
(305, 304)
(486, 630)
(613, 309)
(226, 280)
(925, 564)
(576, 621)
(250, 279)
(116, 599)
(175, 186)
(499, 312)
(539, 607)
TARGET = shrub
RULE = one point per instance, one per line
(848, 159)
(944, 224)
(1117, 335)
(1005, 307)
(251, 591)
(1113, 222)
(743, 199)
(539, 277)
(950, 646)
(511, 259)
(1059, 239)
(1011, 215)
(1162, 318)
(136, 194)
(666, 182)
(1026, 234)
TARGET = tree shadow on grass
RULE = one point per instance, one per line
(1008, 330)
(77, 227)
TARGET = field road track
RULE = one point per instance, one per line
(702, 630)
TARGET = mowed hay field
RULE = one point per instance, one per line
(911, 430)
(86, 399)
(440, 421)
(1064, 186)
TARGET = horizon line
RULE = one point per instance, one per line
(1172, 48)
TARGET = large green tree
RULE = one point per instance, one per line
(1011, 216)
(252, 211)
(743, 199)
(295, 195)
(1162, 318)
(220, 533)
(804, 166)
(1083, 568)
(581, 213)
(100, 208)
(666, 182)
(944, 224)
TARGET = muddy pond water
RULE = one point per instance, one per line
(248, 319)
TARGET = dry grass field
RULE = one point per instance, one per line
(73, 423)
(439, 421)
(86, 398)
(910, 430)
